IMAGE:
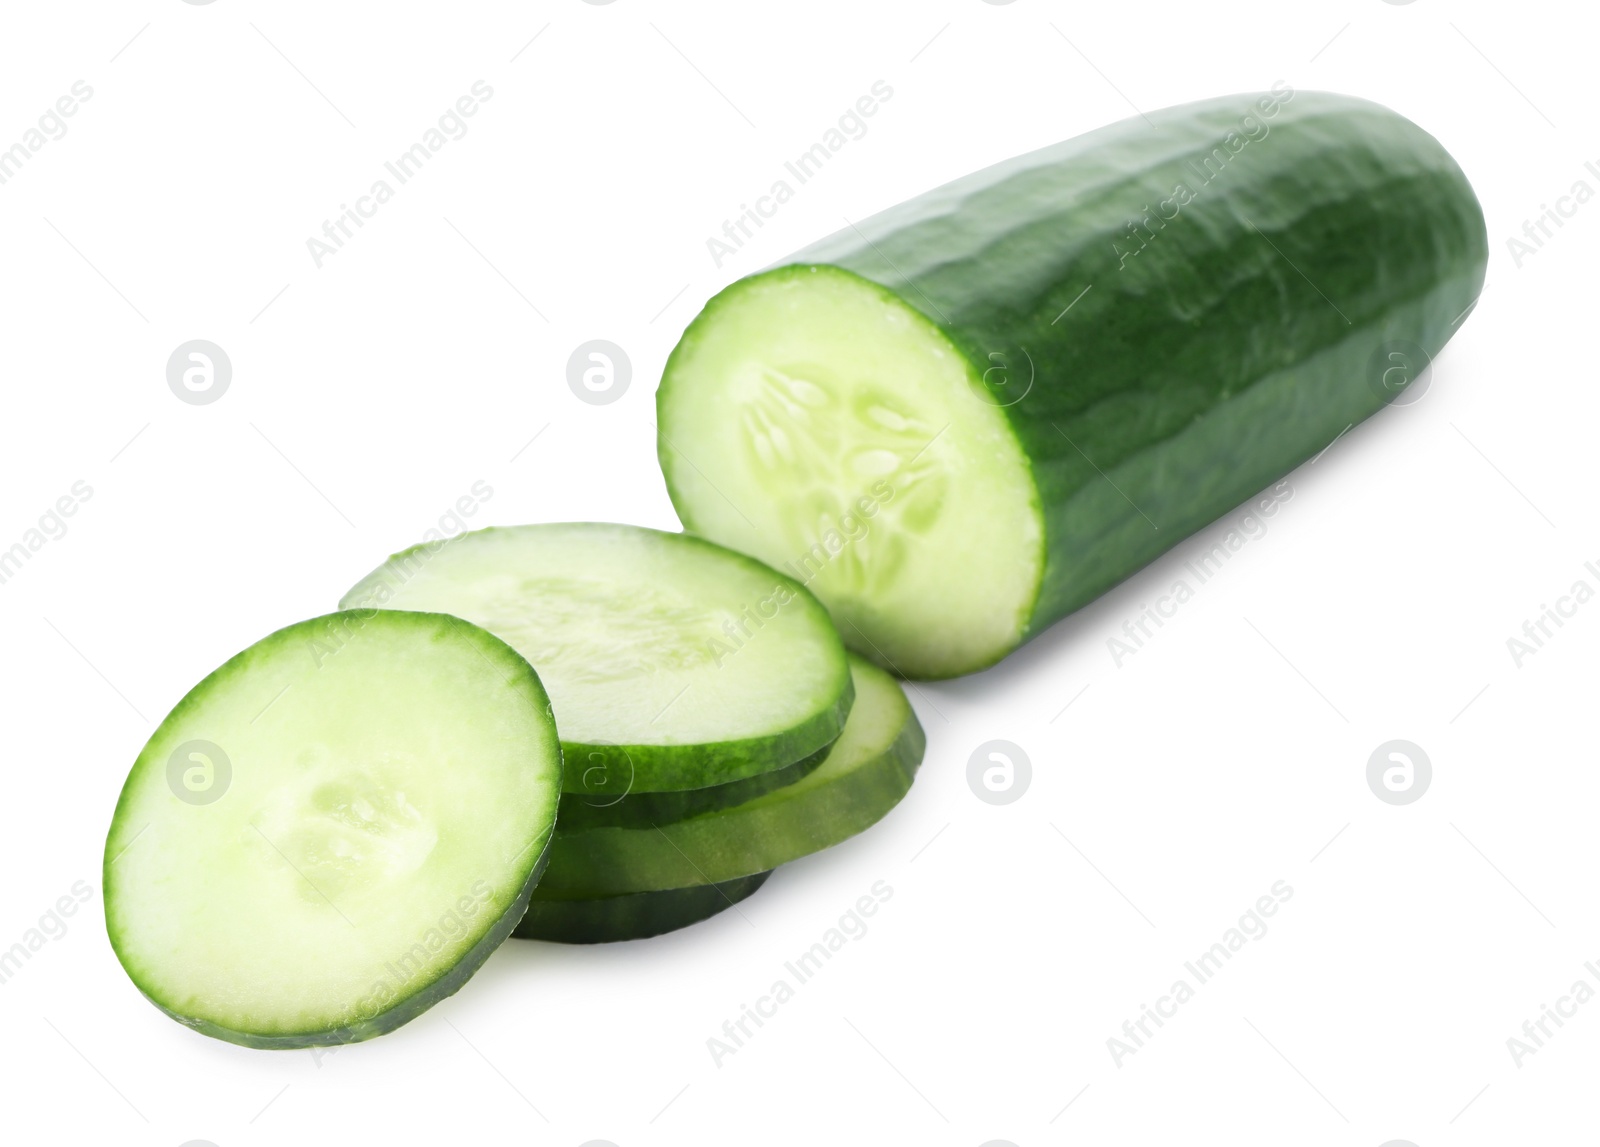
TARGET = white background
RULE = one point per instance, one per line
(1227, 754)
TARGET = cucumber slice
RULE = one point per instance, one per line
(331, 832)
(643, 810)
(966, 417)
(673, 663)
(632, 915)
(867, 772)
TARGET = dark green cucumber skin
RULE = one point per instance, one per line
(631, 916)
(333, 629)
(1208, 365)
(646, 810)
(602, 862)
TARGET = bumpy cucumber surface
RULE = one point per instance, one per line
(672, 663)
(962, 418)
(867, 772)
(632, 915)
(331, 832)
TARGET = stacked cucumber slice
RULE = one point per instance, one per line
(333, 831)
(709, 669)
(868, 770)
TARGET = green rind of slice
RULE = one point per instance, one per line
(868, 771)
(644, 810)
(632, 915)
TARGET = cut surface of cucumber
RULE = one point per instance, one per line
(672, 663)
(632, 915)
(848, 420)
(971, 414)
(332, 831)
(867, 772)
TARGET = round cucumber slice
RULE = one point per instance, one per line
(672, 663)
(330, 833)
(867, 772)
(632, 915)
(644, 810)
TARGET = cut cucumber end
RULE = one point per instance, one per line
(332, 831)
(673, 663)
(813, 419)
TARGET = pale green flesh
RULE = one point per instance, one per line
(660, 644)
(819, 423)
(390, 788)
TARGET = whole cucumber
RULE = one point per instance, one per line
(967, 416)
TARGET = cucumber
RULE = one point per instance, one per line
(866, 773)
(642, 810)
(632, 915)
(672, 663)
(971, 414)
(330, 833)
